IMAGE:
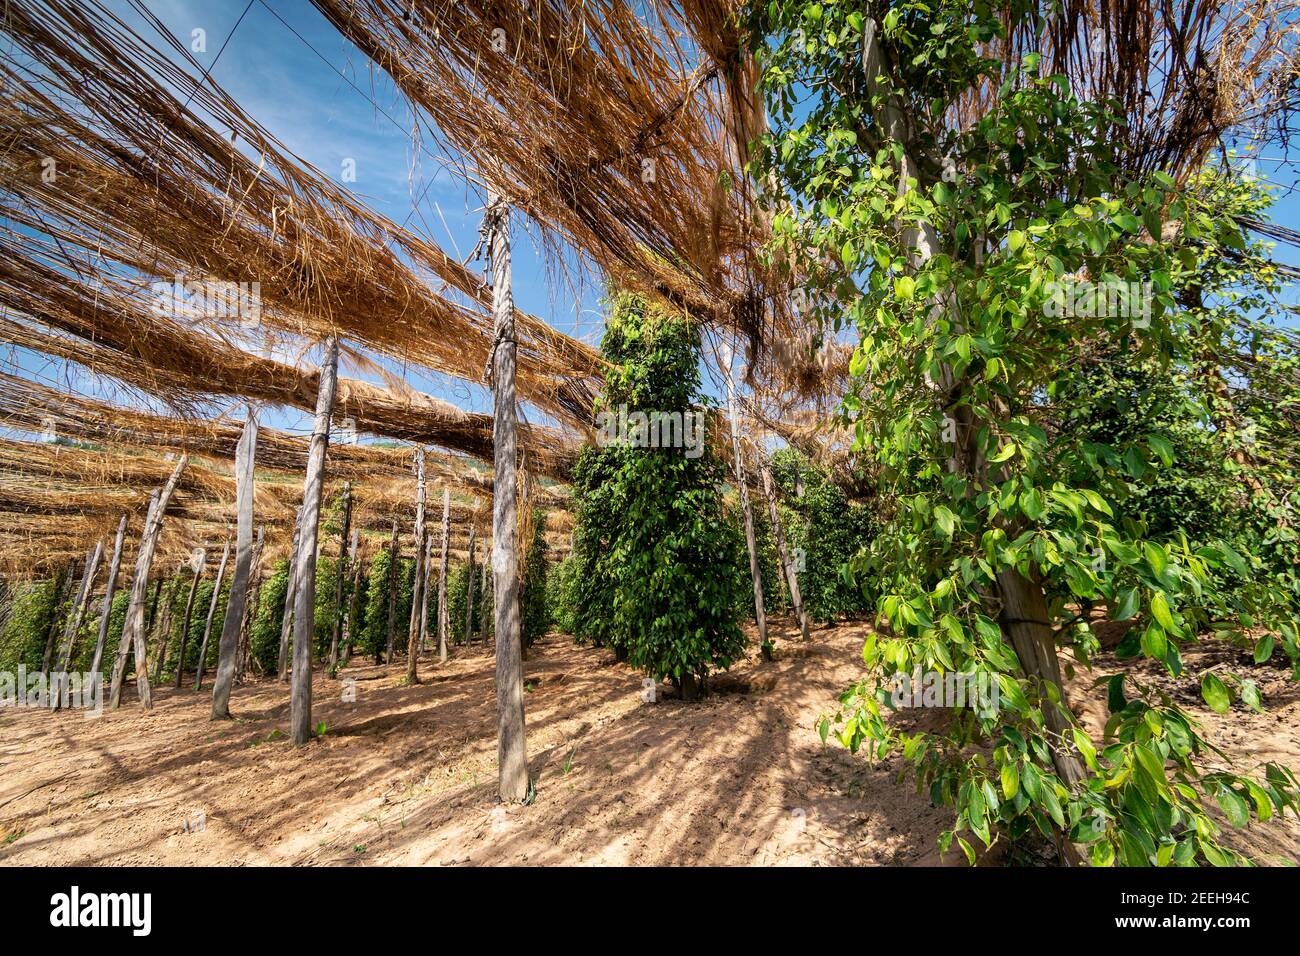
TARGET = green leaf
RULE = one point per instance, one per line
(1234, 807)
(1162, 447)
(1010, 780)
(1215, 693)
(1264, 649)
(1160, 609)
(1129, 602)
(946, 520)
(904, 288)
(1154, 643)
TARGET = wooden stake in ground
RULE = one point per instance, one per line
(110, 586)
(743, 487)
(356, 558)
(417, 585)
(340, 573)
(483, 598)
(62, 589)
(233, 625)
(207, 623)
(512, 755)
(305, 599)
(133, 628)
(425, 592)
(200, 560)
(444, 617)
(77, 613)
(469, 586)
(290, 598)
(250, 607)
(165, 628)
(394, 556)
(791, 579)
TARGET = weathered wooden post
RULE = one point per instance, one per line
(512, 757)
(233, 625)
(340, 572)
(394, 556)
(110, 586)
(743, 487)
(200, 559)
(417, 585)
(207, 623)
(133, 628)
(444, 617)
(290, 598)
(469, 586)
(305, 598)
(791, 579)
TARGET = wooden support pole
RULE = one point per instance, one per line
(426, 593)
(152, 618)
(743, 487)
(305, 596)
(133, 628)
(250, 609)
(62, 589)
(483, 598)
(290, 597)
(77, 613)
(394, 557)
(444, 616)
(212, 610)
(110, 586)
(200, 560)
(165, 628)
(512, 751)
(233, 625)
(356, 553)
(340, 573)
(469, 586)
(791, 578)
(414, 637)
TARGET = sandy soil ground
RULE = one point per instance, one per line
(406, 775)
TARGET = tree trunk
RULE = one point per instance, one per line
(754, 572)
(469, 587)
(199, 562)
(110, 586)
(791, 578)
(207, 623)
(133, 629)
(444, 617)
(340, 571)
(394, 556)
(417, 583)
(233, 625)
(512, 755)
(77, 613)
(305, 596)
(290, 598)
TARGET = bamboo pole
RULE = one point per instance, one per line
(791, 578)
(340, 570)
(109, 587)
(305, 598)
(417, 585)
(133, 628)
(233, 625)
(200, 561)
(750, 542)
(207, 623)
(512, 756)
(444, 617)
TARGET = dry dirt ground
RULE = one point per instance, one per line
(406, 775)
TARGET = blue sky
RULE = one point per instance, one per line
(298, 77)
